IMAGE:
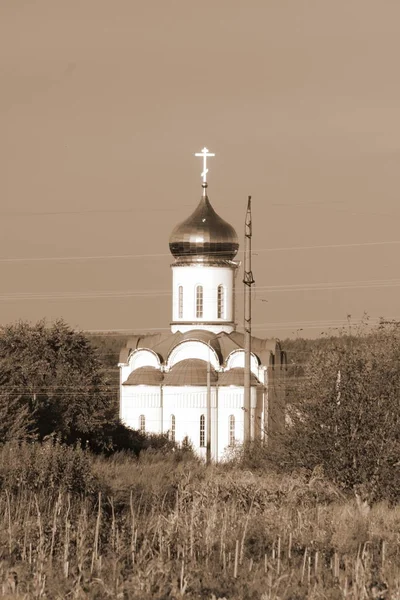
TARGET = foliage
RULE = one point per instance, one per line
(109, 346)
(49, 465)
(346, 416)
(151, 528)
(16, 419)
(115, 437)
(53, 378)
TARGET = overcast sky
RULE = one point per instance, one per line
(102, 107)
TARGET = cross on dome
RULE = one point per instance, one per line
(205, 154)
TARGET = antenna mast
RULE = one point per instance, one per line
(248, 282)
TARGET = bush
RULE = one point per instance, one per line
(49, 465)
(346, 417)
(116, 437)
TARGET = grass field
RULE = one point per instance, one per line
(168, 528)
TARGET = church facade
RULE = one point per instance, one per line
(185, 381)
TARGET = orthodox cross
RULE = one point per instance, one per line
(204, 153)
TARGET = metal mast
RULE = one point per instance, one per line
(248, 282)
(208, 423)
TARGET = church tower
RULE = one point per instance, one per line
(203, 273)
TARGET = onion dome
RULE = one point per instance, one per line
(191, 371)
(204, 236)
(145, 376)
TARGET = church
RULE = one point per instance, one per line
(189, 383)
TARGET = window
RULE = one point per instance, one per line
(231, 430)
(180, 302)
(142, 423)
(199, 302)
(202, 431)
(221, 302)
(172, 429)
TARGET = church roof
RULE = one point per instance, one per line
(204, 236)
(223, 344)
(235, 376)
(145, 376)
(268, 349)
(192, 371)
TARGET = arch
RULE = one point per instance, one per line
(202, 431)
(221, 302)
(199, 302)
(236, 359)
(180, 302)
(193, 349)
(143, 357)
(231, 431)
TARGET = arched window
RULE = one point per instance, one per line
(180, 302)
(231, 430)
(199, 302)
(172, 429)
(221, 302)
(202, 431)
(142, 423)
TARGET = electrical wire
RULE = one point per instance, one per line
(283, 288)
(30, 259)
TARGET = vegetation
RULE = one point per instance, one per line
(80, 519)
(53, 379)
(346, 414)
(168, 527)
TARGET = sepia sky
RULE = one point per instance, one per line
(103, 104)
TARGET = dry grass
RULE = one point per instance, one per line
(158, 528)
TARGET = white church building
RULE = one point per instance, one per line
(178, 382)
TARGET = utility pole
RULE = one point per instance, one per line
(248, 282)
(208, 423)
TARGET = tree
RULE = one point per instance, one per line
(16, 420)
(51, 381)
(346, 417)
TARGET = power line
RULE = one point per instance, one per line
(165, 254)
(284, 288)
(90, 211)
(285, 325)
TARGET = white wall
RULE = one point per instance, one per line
(188, 404)
(139, 400)
(230, 402)
(210, 277)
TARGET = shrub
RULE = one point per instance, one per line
(347, 415)
(49, 465)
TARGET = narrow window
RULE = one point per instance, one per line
(142, 423)
(231, 430)
(199, 302)
(202, 431)
(172, 429)
(221, 302)
(180, 302)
